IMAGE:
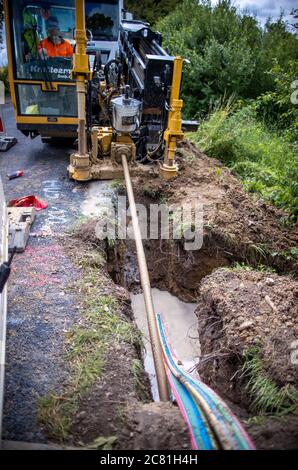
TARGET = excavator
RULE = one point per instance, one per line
(117, 91)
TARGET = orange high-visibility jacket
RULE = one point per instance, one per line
(56, 50)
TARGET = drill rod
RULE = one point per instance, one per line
(145, 282)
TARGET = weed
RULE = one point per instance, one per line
(265, 161)
(80, 220)
(162, 199)
(261, 249)
(294, 252)
(118, 186)
(92, 259)
(245, 267)
(102, 443)
(56, 414)
(138, 379)
(256, 420)
(186, 156)
(151, 192)
(120, 413)
(111, 242)
(266, 395)
(4, 78)
(289, 255)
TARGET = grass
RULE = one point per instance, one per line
(102, 326)
(266, 162)
(138, 379)
(79, 221)
(155, 194)
(267, 397)
(118, 186)
(185, 155)
(248, 268)
(102, 443)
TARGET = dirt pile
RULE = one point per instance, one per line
(241, 310)
(248, 327)
(237, 226)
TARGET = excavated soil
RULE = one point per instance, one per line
(241, 310)
(237, 226)
(237, 308)
(276, 433)
(142, 429)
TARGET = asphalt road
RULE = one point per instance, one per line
(41, 303)
(45, 169)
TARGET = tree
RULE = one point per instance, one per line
(294, 14)
(150, 10)
(230, 53)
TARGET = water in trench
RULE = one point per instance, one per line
(182, 327)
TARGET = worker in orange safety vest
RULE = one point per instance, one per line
(54, 45)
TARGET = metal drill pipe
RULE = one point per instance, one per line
(82, 138)
(145, 281)
(81, 43)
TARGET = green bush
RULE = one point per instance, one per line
(229, 52)
(266, 162)
(276, 107)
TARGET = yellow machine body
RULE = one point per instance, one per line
(34, 97)
(27, 89)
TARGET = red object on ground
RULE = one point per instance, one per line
(1, 126)
(15, 174)
(28, 201)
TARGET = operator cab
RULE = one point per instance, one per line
(40, 37)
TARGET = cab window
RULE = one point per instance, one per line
(43, 39)
(34, 101)
(102, 19)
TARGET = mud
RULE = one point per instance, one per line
(143, 426)
(276, 433)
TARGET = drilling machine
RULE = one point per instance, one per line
(131, 106)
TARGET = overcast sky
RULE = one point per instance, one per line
(265, 8)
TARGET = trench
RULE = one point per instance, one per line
(175, 276)
(179, 316)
